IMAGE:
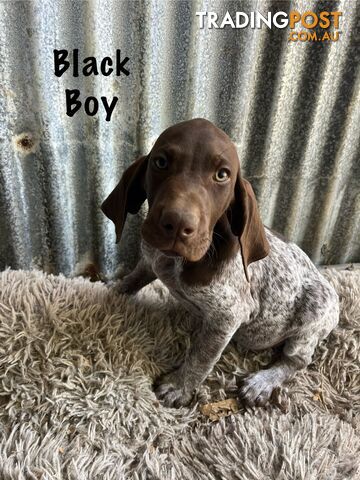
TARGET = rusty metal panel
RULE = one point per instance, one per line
(291, 108)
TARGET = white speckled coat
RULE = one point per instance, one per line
(286, 302)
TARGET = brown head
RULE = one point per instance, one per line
(192, 181)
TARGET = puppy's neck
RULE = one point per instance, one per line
(223, 248)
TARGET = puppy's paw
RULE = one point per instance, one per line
(257, 388)
(125, 286)
(172, 391)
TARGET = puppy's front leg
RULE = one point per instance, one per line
(176, 388)
(141, 276)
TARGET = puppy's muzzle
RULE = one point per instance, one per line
(178, 225)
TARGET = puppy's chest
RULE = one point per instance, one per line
(214, 297)
(168, 270)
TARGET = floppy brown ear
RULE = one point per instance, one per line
(128, 195)
(246, 224)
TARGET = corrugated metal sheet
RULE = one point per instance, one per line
(291, 108)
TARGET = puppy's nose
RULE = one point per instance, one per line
(175, 224)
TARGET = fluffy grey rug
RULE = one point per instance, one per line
(77, 365)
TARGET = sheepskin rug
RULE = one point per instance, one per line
(77, 363)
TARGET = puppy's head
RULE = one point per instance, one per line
(191, 179)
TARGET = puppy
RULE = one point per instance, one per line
(204, 239)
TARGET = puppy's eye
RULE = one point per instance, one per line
(161, 163)
(222, 175)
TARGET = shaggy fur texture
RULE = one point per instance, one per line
(77, 365)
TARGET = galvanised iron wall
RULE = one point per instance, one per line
(291, 108)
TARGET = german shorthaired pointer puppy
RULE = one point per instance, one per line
(203, 238)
